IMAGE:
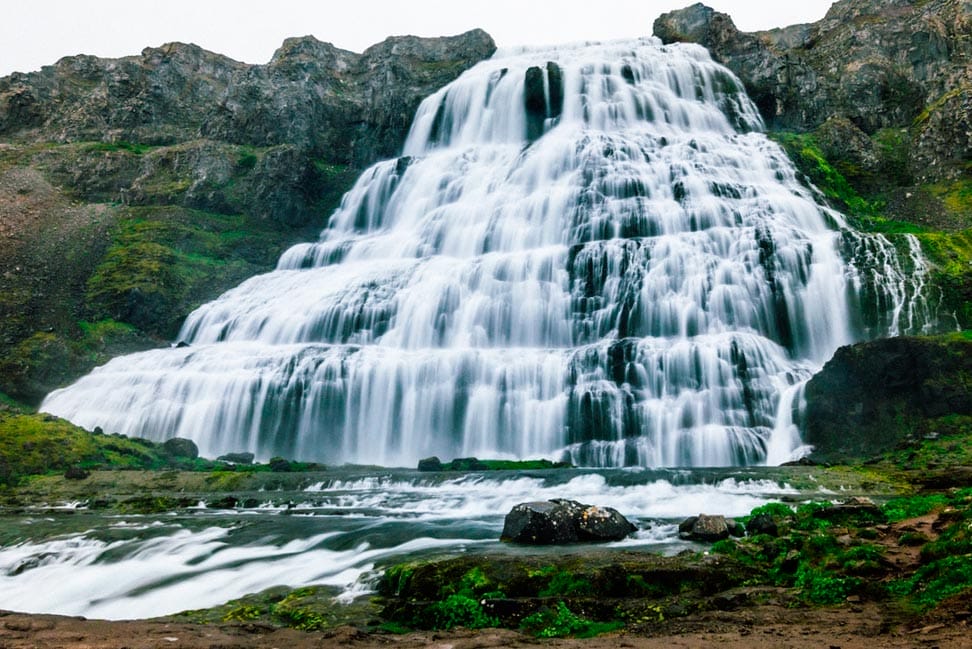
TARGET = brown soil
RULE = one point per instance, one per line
(854, 625)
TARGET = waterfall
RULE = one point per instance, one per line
(586, 252)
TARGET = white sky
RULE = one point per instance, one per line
(39, 32)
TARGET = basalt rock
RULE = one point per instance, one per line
(556, 522)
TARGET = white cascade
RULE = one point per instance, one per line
(589, 252)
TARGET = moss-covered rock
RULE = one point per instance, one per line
(871, 397)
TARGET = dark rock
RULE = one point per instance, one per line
(762, 524)
(603, 524)
(555, 522)
(539, 523)
(226, 502)
(871, 397)
(237, 458)
(850, 508)
(467, 464)
(181, 447)
(430, 464)
(709, 528)
(279, 465)
(75, 473)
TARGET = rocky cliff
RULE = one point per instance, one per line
(885, 86)
(132, 190)
(877, 396)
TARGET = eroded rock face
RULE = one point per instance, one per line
(877, 63)
(556, 522)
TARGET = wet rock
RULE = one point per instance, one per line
(709, 528)
(554, 522)
(430, 464)
(181, 447)
(279, 465)
(762, 524)
(237, 458)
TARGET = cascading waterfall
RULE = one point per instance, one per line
(588, 252)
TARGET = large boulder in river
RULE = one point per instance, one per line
(554, 522)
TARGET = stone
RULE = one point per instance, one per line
(279, 465)
(560, 521)
(430, 464)
(539, 523)
(762, 524)
(237, 458)
(603, 524)
(181, 447)
(467, 464)
(708, 528)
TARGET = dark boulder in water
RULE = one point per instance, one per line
(430, 464)
(555, 522)
(181, 447)
(709, 528)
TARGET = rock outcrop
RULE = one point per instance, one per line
(709, 528)
(134, 189)
(877, 63)
(872, 397)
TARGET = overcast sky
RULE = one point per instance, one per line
(39, 32)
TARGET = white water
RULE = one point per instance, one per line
(616, 267)
(335, 533)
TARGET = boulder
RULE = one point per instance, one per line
(555, 522)
(709, 528)
(75, 473)
(237, 458)
(467, 464)
(762, 524)
(280, 465)
(430, 464)
(603, 524)
(181, 447)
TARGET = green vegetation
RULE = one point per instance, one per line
(165, 261)
(113, 147)
(36, 443)
(561, 621)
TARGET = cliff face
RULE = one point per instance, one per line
(132, 190)
(875, 63)
(874, 397)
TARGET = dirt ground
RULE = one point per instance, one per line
(863, 626)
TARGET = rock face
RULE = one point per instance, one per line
(134, 189)
(876, 63)
(557, 522)
(871, 397)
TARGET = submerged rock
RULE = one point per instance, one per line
(554, 522)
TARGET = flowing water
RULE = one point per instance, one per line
(588, 252)
(336, 531)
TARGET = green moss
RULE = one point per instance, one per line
(806, 154)
(37, 444)
(560, 622)
(164, 262)
(113, 147)
(899, 509)
(457, 610)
